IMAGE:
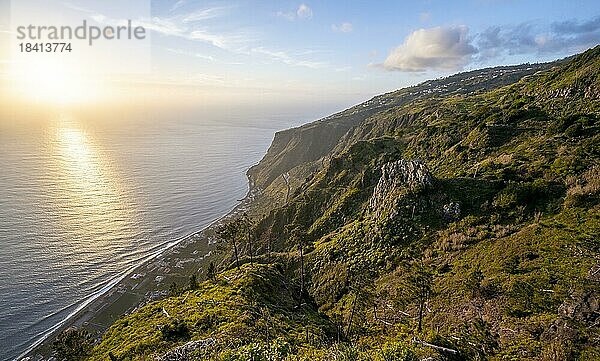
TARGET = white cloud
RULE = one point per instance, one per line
(304, 12)
(342, 28)
(288, 59)
(188, 26)
(188, 53)
(439, 48)
(290, 16)
(177, 5)
(204, 14)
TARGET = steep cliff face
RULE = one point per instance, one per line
(304, 144)
(310, 142)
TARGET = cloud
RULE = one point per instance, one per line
(532, 38)
(190, 25)
(451, 48)
(343, 69)
(342, 28)
(288, 59)
(439, 48)
(177, 5)
(290, 16)
(304, 12)
(192, 54)
(575, 27)
(204, 14)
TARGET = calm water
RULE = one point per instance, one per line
(82, 201)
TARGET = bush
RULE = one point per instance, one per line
(72, 344)
(175, 330)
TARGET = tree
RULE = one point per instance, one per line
(233, 231)
(286, 180)
(229, 232)
(193, 284)
(174, 289)
(420, 285)
(361, 285)
(72, 344)
(473, 283)
(245, 226)
(299, 237)
(175, 330)
(270, 239)
(211, 272)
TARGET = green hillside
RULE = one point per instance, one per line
(458, 224)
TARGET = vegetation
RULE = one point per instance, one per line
(72, 345)
(494, 257)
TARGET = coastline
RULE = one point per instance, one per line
(100, 304)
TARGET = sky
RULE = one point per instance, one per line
(325, 52)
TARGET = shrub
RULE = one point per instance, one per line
(72, 344)
(175, 330)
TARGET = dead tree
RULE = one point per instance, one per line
(421, 283)
(286, 180)
(245, 228)
(229, 233)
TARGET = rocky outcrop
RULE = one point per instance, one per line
(584, 307)
(581, 308)
(587, 92)
(399, 176)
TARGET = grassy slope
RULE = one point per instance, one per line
(512, 275)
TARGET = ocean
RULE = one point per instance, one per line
(82, 200)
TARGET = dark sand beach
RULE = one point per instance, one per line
(145, 283)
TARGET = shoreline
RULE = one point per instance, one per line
(99, 301)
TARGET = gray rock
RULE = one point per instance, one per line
(399, 175)
(581, 307)
(451, 211)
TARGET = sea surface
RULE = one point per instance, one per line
(83, 200)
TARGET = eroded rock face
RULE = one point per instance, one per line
(585, 307)
(579, 308)
(397, 176)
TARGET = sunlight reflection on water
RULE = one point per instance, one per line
(93, 192)
(81, 201)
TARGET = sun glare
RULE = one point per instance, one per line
(53, 82)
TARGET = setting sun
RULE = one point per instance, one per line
(52, 81)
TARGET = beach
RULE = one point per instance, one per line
(148, 281)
